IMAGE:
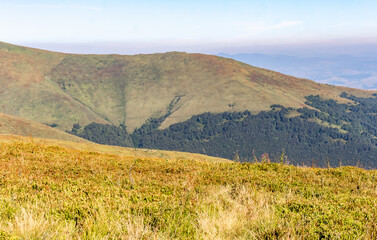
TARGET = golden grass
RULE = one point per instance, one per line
(50, 192)
(107, 149)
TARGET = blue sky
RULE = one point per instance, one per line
(195, 26)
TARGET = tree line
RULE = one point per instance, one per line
(331, 133)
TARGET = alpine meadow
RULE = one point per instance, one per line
(251, 142)
(167, 119)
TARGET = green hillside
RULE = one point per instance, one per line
(49, 192)
(63, 89)
(18, 126)
(329, 132)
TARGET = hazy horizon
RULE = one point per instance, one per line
(313, 28)
(353, 48)
(207, 26)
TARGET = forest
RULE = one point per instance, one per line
(330, 133)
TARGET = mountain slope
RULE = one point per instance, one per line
(329, 133)
(91, 147)
(50, 192)
(26, 91)
(18, 126)
(65, 88)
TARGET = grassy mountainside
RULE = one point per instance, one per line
(23, 127)
(106, 149)
(49, 192)
(27, 93)
(65, 88)
(328, 133)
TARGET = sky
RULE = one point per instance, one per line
(208, 26)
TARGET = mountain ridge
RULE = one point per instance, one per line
(63, 89)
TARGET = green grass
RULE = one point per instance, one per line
(48, 192)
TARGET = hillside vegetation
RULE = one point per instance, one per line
(18, 126)
(185, 102)
(327, 133)
(105, 149)
(64, 89)
(50, 192)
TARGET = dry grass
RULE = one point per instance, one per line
(121, 151)
(49, 192)
(235, 212)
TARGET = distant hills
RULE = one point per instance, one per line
(357, 71)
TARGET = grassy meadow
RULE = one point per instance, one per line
(50, 192)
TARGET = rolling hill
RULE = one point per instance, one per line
(18, 126)
(63, 89)
(190, 102)
(86, 146)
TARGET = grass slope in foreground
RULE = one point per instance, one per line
(48, 192)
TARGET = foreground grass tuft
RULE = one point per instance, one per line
(48, 192)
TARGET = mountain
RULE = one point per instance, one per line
(328, 133)
(18, 126)
(63, 89)
(191, 102)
